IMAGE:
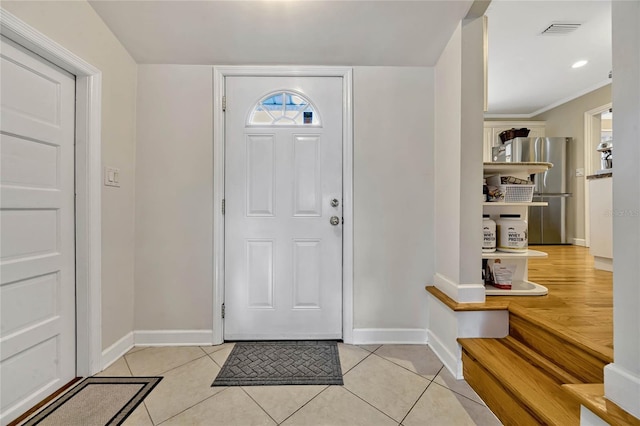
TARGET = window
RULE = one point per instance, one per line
(284, 109)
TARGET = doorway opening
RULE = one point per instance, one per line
(595, 129)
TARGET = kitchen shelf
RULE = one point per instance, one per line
(520, 168)
(506, 255)
(501, 204)
(518, 288)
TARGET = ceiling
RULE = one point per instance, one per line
(303, 32)
(530, 73)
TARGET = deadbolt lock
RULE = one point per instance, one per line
(335, 202)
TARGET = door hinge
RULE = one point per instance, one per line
(223, 206)
(223, 310)
(224, 103)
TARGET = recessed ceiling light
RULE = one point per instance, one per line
(579, 64)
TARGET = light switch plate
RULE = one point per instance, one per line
(112, 176)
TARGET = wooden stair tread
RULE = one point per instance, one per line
(529, 384)
(460, 307)
(560, 375)
(591, 395)
(603, 353)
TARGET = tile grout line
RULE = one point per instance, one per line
(385, 359)
(356, 364)
(360, 346)
(171, 369)
(415, 403)
(303, 405)
(177, 366)
(357, 396)
(256, 402)
(370, 404)
(215, 362)
(217, 350)
(143, 403)
(189, 408)
(124, 358)
(411, 371)
(432, 380)
(458, 393)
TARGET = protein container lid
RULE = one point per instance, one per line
(516, 216)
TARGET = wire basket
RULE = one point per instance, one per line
(517, 193)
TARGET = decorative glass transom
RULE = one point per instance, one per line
(284, 109)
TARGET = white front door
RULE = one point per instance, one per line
(37, 258)
(283, 171)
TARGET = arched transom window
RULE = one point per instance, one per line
(284, 108)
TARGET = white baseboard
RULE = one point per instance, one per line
(603, 263)
(461, 293)
(452, 362)
(580, 242)
(623, 388)
(173, 337)
(370, 336)
(115, 351)
(588, 418)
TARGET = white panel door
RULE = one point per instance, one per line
(37, 287)
(283, 257)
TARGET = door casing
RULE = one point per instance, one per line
(219, 74)
(88, 186)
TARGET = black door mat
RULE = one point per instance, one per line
(281, 363)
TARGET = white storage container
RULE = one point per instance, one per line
(517, 193)
(489, 234)
(511, 189)
(512, 233)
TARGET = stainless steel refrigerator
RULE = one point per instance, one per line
(547, 225)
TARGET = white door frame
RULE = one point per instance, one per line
(588, 147)
(88, 182)
(219, 74)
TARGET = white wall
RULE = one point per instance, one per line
(393, 196)
(76, 26)
(393, 182)
(458, 153)
(174, 198)
(448, 119)
(459, 102)
(622, 378)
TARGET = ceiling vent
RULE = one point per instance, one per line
(560, 29)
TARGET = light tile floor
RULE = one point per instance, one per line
(383, 385)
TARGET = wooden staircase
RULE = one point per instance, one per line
(521, 376)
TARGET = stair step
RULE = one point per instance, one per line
(592, 396)
(580, 361)
(560, 375)
(517, 391)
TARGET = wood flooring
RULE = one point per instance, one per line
(580, 299)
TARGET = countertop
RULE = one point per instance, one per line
(600, 176)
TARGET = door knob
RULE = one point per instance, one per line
(335, 220)
(335, 202)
